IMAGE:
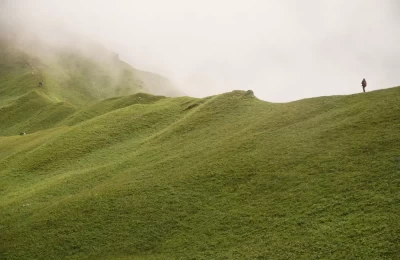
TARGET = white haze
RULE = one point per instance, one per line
(281, 49)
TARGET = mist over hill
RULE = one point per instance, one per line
(68, 57)
(50, 75)
(283, 50)
(101, 160)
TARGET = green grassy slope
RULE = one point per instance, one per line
(79, 80)
(225, 177)
(71, 77)
(24, 106)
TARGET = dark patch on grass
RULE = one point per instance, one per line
(192, 106)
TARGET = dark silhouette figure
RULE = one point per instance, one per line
(40, 84)
(364, 84)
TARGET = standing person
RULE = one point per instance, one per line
(364, 84)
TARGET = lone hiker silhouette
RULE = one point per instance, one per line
(364, 84)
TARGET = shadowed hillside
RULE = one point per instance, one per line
(224, 177)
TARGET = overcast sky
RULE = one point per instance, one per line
(283, 50)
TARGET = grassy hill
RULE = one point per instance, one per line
(43, 83)
(224, 177)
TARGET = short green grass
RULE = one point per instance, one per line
(39, 90)
(224, 177)
(231, 178)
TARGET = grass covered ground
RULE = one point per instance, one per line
(224, 177)
(43, 84)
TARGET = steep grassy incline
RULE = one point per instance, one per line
(24, 106)
(42, 85)
(225, 177)
(79, 79)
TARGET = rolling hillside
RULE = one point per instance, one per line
(43, 83)
(224, 177)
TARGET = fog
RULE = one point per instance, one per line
(283, 50)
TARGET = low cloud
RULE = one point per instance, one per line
(281, 49)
